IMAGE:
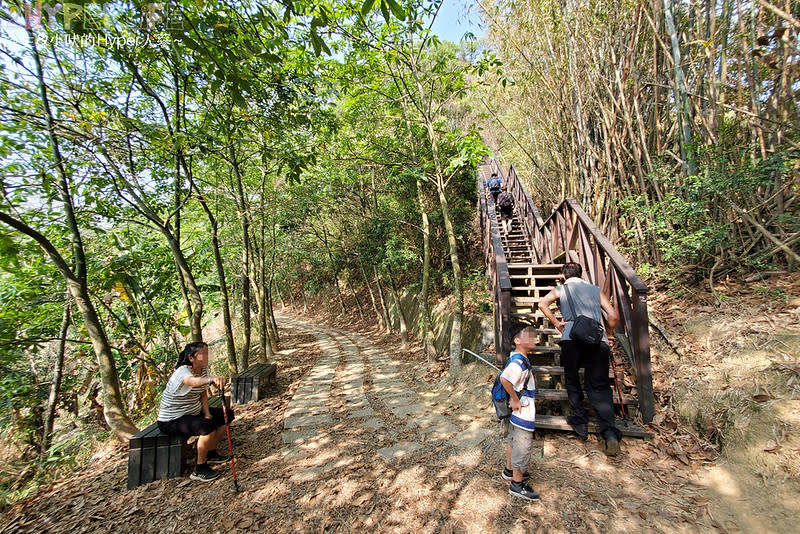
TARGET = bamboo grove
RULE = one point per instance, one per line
(675, 123)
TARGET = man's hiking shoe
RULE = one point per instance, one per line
(582, 429)
(214, 457)
(508, 474)
(611, 447)
(204, 473)
(523, 491)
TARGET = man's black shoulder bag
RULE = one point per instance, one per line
(584, 328)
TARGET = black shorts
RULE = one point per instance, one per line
(196, 425)
(507, 213)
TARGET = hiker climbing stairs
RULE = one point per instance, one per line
(524, 264)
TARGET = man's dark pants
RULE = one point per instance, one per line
(595, 360)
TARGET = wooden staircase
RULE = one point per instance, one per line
(518, 281)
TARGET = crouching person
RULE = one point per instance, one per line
(184, 408)
(518, 381)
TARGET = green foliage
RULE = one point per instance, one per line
(323, 149)
(691, 224)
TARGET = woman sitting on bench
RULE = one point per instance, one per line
(184, 408)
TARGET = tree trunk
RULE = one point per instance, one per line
(358, 300)
(263, 328)
(291, 297)
(114, 411)
(441, 186)
(384, 306)
(58, 369)
(427, 331)
(401, 316)
(378, 315)
(193, 301)
(223, 285)
(458, 314)
(272, 324)
(244, 221)
(334, 269)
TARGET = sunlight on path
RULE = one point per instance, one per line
(355, 386)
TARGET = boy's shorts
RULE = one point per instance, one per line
(521, 442)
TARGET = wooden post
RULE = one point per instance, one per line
(640, 342)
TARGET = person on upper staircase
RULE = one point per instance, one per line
(494, 186)
(505, 202)
(589, 301)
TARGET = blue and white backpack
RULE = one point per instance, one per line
(500, 397)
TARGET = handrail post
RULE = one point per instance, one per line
(640, 344)
(505, 325)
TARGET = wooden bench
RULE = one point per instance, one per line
(246, 385)
(153, 455)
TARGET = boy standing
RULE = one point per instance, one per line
(517, 430)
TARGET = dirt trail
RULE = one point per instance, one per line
(352, 439)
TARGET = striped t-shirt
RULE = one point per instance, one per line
(517, 372)
(179, 399)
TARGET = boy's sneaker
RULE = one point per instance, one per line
(214, 457)
(204, 473)
(523, 491)
(508, 474)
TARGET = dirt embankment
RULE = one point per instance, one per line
(735, 380)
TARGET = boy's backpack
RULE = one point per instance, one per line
(505, 200)
(494, 184)
(500, 397)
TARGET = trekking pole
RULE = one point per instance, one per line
(481, 359)
(228, 432)
(619, 391)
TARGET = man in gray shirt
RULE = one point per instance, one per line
(588, 301)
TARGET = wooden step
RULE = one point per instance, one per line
(542, 290)
(543, 349)
(537, 315)
(556, 370)
(537, 273)
(561, 394)
(559, 422)
(525, 300)
(555, 269)
(538, 276)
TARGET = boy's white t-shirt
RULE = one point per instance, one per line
(516, 373)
